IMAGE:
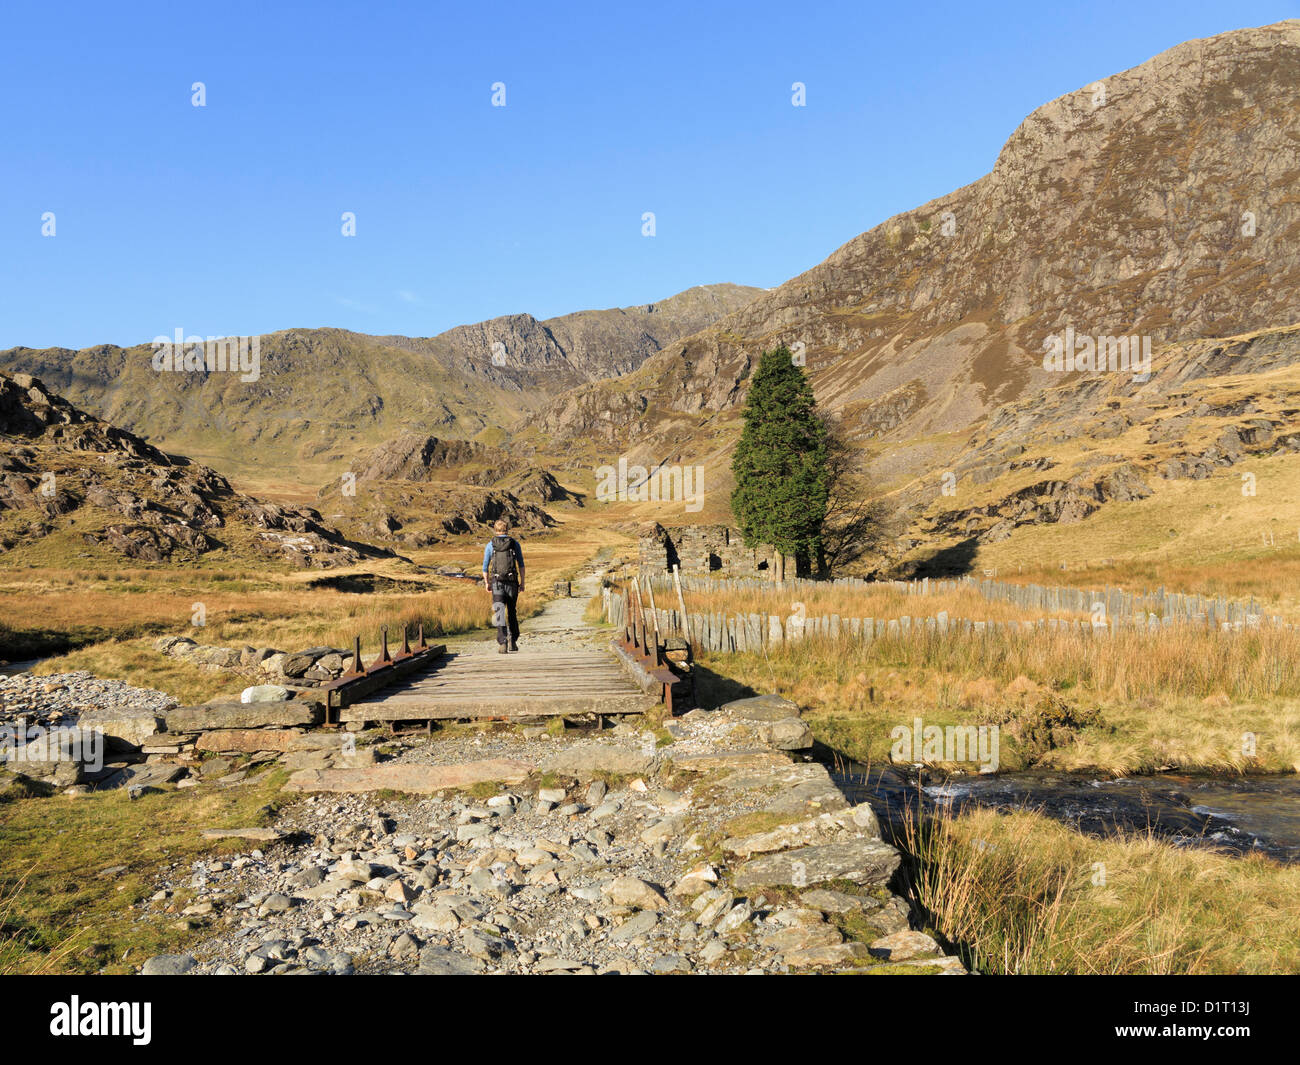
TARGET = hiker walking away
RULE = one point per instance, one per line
(503, 576)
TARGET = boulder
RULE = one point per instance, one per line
(142, 776)
(903, 946)
(761, 708)
(629, 891)
(264, 693)
(860, 821)
(829, 954)
(787, 734)
(295, 665)
(168, 965)
(870, 862)
(123, 728)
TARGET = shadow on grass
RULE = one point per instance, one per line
(955, 561)
(713, 689)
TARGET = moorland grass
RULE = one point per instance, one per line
(1127, 703)
(1021, 894)
(59, 910)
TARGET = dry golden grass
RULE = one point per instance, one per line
(109, 619)
(1171, 699)
(1273, 580)
(1023, 894)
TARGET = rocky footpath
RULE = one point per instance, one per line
(688, 848)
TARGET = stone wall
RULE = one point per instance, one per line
(700, 549)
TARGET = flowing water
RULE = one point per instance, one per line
(1235, 815)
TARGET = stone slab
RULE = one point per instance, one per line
(413, 779)
(231, 715)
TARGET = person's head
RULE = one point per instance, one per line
(502, 526)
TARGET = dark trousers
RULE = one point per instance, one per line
(505, 594)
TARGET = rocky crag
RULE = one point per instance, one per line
(322, 395)
(1159, 202)
(100, 491)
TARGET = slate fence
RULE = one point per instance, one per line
(1110, 611)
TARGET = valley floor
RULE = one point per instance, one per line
(1009, 892)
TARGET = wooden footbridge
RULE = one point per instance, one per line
(424, 683)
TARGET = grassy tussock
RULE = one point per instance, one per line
(1022, 894)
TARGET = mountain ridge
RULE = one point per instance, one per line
(1114, 218)
(323, 395)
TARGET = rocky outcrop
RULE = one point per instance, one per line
(65, 469)
(412, 457)
(1198, 414)
(416, 514)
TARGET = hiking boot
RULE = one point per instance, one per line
(501, 648)
(512, 646)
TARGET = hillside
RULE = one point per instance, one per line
(321, 395)
(77, 491)
(925, 336)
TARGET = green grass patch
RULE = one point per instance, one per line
(58, 915)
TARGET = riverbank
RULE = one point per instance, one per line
(1022, 894)
(1059, 702)
(1094, 869)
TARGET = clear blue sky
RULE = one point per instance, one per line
(225, 220)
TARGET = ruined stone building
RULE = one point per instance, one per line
(701, 549)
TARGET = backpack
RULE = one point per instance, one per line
(501, 567)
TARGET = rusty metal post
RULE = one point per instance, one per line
(385, 656)
(406, 642)
(423, 645)
(356, 669)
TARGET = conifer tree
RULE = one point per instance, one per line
(781, 462)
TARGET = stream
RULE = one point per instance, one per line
(1232, 814)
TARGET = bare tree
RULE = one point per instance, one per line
(857, 519)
